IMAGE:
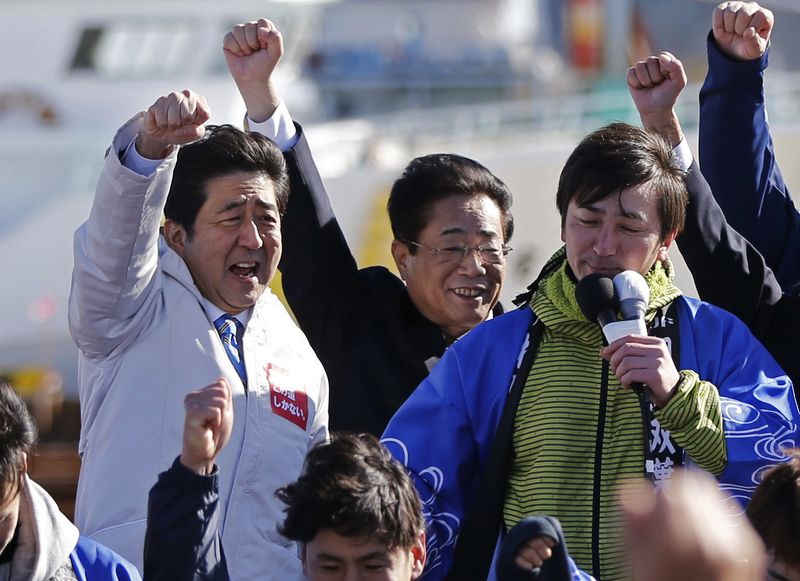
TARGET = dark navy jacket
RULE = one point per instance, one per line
(738, 159)
(728, 270)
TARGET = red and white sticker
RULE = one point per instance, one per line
(287, 403)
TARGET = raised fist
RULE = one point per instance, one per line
(208, 424)
(173, 119)
(742, 29)
(655, 83)
(252, 51)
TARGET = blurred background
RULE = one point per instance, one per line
(511, 83)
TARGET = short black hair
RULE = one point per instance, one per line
(774, 509)
(221, 151)
(355, 488)
(617, 157)
(430, 178)
(17, 439)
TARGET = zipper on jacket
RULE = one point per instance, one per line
(598, 466)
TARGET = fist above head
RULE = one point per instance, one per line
(252, 51)
(742, 29)
(655, 84)
(174, 119)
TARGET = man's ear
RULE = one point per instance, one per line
(401, 254)
(419, 555)
(175, 235)
(667, 242)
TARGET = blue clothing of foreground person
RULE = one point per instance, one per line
(37, 542)
(460, 403)
(730, 410)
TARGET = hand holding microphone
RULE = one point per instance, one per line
(634, 357)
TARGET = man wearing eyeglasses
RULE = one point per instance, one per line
(534, 414)
(378, 336)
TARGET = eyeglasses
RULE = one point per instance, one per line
(454, 254)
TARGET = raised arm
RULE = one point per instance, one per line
(319, 274)
(736, 149)
(728, 271)
(183, 539)
(115, 278)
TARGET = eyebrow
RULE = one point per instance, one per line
(373, 555)
(232, 205)
(625, 212)
(367, 557)
(457, 230)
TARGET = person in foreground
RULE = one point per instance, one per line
(354, 510)
(158, 311)
(774, 512)
(718, 399)
(37, 542)
(688, 531)
(377, 334)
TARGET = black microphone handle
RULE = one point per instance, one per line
(605, 317)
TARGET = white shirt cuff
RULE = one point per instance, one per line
(135, 162)
(682, 155)
(279, 128)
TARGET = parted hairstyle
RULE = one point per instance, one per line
(17, 438)
(774, 510)
(430, 178)
(353, 487)
(617, 157)
(221, 151)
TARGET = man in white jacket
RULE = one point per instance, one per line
(155, 314)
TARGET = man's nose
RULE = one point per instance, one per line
(249, 236)
(606, 242)
(472, 263)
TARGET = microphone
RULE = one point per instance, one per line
(597, 299)
(634, 295)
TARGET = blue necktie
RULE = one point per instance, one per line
(230, 331)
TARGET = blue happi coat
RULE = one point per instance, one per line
(444, 431)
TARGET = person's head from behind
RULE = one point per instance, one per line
(451, 220)
(17, 440)
(622, 202)
(223, 214)
(355, 512)
(774, 511)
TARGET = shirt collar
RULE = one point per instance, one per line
(213, 312)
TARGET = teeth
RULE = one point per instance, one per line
(245, 264)
(468, 292)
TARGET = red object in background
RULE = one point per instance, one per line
(585, 34)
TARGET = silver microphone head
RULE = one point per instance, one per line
(633, 294)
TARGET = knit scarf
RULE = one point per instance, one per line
(567, 403)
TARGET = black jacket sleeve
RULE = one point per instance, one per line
(319, 274)
(730, 273)
(182, 539)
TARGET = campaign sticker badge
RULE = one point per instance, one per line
(287, 403)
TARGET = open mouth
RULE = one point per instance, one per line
(468, 293)
(244, 270)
